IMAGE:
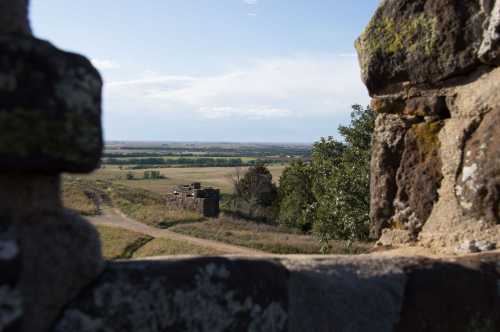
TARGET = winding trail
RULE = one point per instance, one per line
(115, 218)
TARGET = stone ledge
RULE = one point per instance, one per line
(291, 293)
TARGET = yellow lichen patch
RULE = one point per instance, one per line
(389, 37)
(427, 137)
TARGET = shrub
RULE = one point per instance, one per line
(255, 195)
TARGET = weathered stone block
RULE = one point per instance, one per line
(202, 294)
(419, 41)
(478, 184)
(344, 294)
(59, 256)
(388, 146)
(490, 47)
(419, 176)
(441, 296)
(294, 293)
(50, 108)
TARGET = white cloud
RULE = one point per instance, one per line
(292, 87)
(104, 64)
(251, 113)
(251, 2)
(252, 14)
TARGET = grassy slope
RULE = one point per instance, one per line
(149, 208)
(85, 196)
(78, 198)
(123, 244)
(263, 237)
(118, 243)
(164, 247)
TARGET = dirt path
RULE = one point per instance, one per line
(115, 218)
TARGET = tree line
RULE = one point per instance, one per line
(201, 162)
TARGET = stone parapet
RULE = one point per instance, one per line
(292, 293)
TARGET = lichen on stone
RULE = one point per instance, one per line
(427, 138)
(386, 36)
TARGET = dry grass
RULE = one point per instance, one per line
(263, 237)
(87, 197)
(219, 177)
(167, 247)
(119, 243)
(149, 208)
(82, 196)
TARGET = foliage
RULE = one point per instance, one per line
(255, 194)
(296, 196)
(337, 205)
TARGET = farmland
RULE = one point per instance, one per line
(119, 194)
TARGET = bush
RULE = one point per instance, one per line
(255, 195)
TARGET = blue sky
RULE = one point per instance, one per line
(216, 70)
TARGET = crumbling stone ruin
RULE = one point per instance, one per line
(194, 197)
(53, 278)
(432, 70)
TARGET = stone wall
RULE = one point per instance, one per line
(53, 277)
(432, 70)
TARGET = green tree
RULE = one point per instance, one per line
(256, 194)
(296, 198)
(343, 196)
(331, 196)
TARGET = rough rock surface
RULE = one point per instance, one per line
(419, 176)
(478, 184)
(51, 255)
(490, 47)
(388, 144)
(44, 91)
(431, 68)
(203, 294)
(325, 293)
(420, 41)
(363, 295)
